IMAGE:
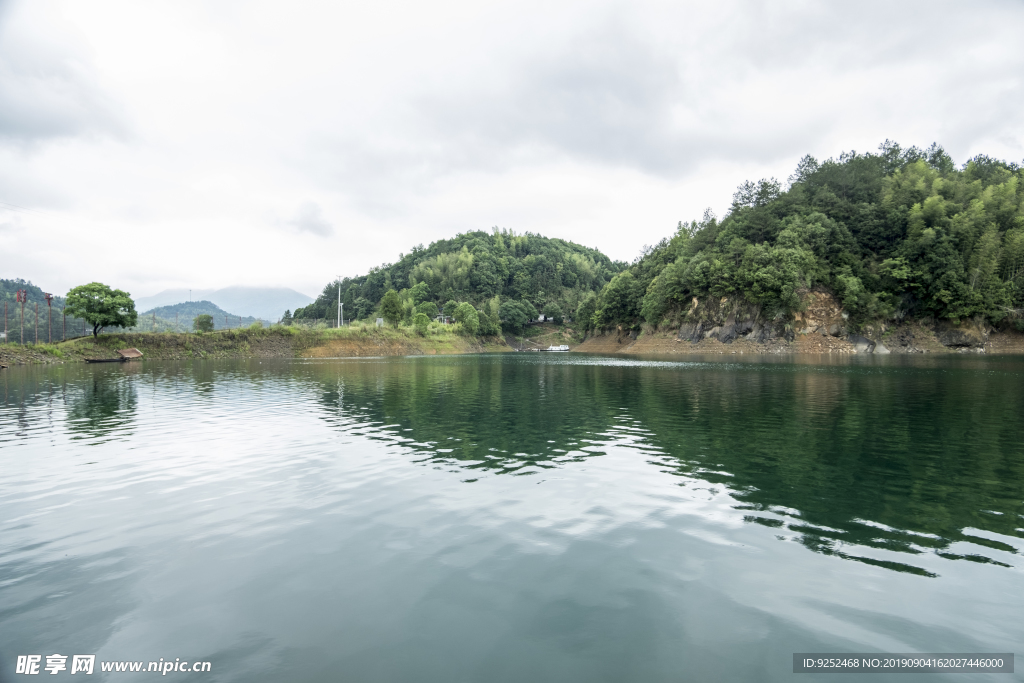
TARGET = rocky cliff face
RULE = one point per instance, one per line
(822, 326)
(727, 320)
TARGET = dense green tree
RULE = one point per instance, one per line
(101, 306)
(552, 311)
(489, 325)
(420, 321)
(468, 317)
(391, 308)
(585, 313)
(203, 323)
(515, 315)
(428, 308)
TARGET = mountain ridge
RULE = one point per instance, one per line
(265, 303)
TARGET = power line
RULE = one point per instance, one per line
(16, 207)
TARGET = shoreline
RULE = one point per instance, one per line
(376, 342)
(276, 342)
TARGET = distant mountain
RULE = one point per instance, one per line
(179, 317)
(266, 303)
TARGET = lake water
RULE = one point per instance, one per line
(517, 517)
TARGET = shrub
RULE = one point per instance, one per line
(421, 322)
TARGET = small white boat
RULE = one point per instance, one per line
(563, 347)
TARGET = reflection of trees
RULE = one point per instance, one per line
(897, 461)
(837, 457)
(102, 404)
(484, 414)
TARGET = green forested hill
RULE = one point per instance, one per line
(901, 233)
(475, 267)
(179, 317)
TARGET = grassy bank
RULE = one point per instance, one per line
(273, 342)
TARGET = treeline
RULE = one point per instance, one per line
(901, 233)
(502, 275)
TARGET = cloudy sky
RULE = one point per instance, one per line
(165, 144)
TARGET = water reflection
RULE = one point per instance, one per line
(101, 406)
(868, 462)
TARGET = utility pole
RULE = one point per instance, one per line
(20, 298)
(339, 301)
(64, 324)
(49, 309)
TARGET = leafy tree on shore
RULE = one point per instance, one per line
(428, 308)
(516, 314)
(101, 306)
(553, 311)
(585, 313)
(468, 317)
(203, 323)
(391, 308)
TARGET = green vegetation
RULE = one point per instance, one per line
(391, 308)
(901, 233)
(101, 306)
(179, 317)
(49, 324)
(482, 270)
(203, 323)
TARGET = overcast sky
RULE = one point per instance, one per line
(155, 144)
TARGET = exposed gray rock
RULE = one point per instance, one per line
(861, 344)
(958, 338)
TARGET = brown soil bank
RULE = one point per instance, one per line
(250, 343)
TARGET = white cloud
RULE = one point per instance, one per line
(309, 218)
(600, 122)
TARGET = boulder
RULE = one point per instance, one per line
(959, 338)
(861, 344)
